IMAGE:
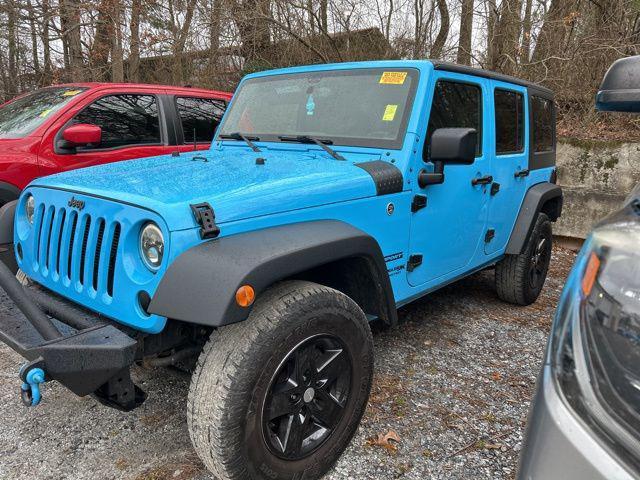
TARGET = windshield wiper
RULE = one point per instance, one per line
(241, 136)
(321, 142)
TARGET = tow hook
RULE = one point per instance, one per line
(30, 390)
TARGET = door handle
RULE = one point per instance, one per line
(522, 173)
(486, 180)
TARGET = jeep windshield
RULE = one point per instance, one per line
(359, 107)
(22, 116)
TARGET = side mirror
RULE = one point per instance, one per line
(81, 134)
(620, 88)
(452, 146)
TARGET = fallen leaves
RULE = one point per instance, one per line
(387, 441)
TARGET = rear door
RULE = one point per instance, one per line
(133, 126)
(196, 120)
(509, 154)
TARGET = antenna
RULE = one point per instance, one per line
(195, 142)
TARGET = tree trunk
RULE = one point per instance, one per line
(103, 41)
(117, 60)
(492, 21)
(466, 29)
(46, 45)
(12, 19)
(324, 17)
(34, 41)
(180, 42)
(507, 36)
(214, 34)
(525, 50)
(550, 39)
(443, 33)
(70, 20)
(134, 49)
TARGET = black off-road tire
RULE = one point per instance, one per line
(241, 365)
(520, 278)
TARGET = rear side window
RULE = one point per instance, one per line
(199, 117)
(456, 105)
(509, 112)
(542, 110)
(125, 119)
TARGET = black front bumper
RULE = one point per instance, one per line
(89, 356)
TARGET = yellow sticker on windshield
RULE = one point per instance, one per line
(71, 93)
(393, 78)
(45, 113)
(389, 113)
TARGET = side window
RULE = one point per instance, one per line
(456, 105)
(199, 117)
(509, 112)
(542, 110)
(125, 119)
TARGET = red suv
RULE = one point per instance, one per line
(72, 126)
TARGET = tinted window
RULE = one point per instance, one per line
(542, 124)
(124, 119)
(22, 116)
(456, 105)
(199, 116)
(509, 108)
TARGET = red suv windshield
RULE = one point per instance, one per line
(22, 116)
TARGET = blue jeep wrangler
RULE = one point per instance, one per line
(331, 195)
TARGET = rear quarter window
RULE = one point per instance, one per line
(543, 128)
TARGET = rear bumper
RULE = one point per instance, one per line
(90, 355)
(559, 445)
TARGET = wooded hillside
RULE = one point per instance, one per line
(564, 44)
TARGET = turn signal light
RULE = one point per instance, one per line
(245, 296)
(590, 274)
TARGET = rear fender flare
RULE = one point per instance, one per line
(544, 197)
(199, 287)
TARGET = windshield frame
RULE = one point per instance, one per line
(396, 144)
(53, 112)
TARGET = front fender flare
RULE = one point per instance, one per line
(200, 285)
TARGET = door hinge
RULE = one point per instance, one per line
(418, 203)
(414, 262)
(495, 188)
(206, 218)
(489, 235)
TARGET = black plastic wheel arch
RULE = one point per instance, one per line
(534, 202)
(200, 286)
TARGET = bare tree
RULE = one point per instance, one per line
(466, 29)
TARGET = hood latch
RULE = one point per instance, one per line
(206, 218)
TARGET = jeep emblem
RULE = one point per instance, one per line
(73, 203)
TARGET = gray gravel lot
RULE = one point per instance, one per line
(453, 381)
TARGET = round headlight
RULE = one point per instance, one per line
(151, 246)
(30, 208)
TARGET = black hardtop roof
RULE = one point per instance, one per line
(479, 72)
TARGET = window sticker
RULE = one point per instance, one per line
(71, 93)
(393, 78)
(45, 112)
(389, 113)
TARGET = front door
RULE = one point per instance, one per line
(509, 157)
(449, 232)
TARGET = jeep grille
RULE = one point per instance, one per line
(77, 249)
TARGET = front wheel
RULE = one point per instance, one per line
(520, 278)
(280, 395)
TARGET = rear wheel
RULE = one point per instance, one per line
(520, 278)
(281, 394)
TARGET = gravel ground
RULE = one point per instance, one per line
(453, 382)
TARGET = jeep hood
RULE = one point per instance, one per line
(230, 180)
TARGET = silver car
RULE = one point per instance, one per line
(585, 419)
